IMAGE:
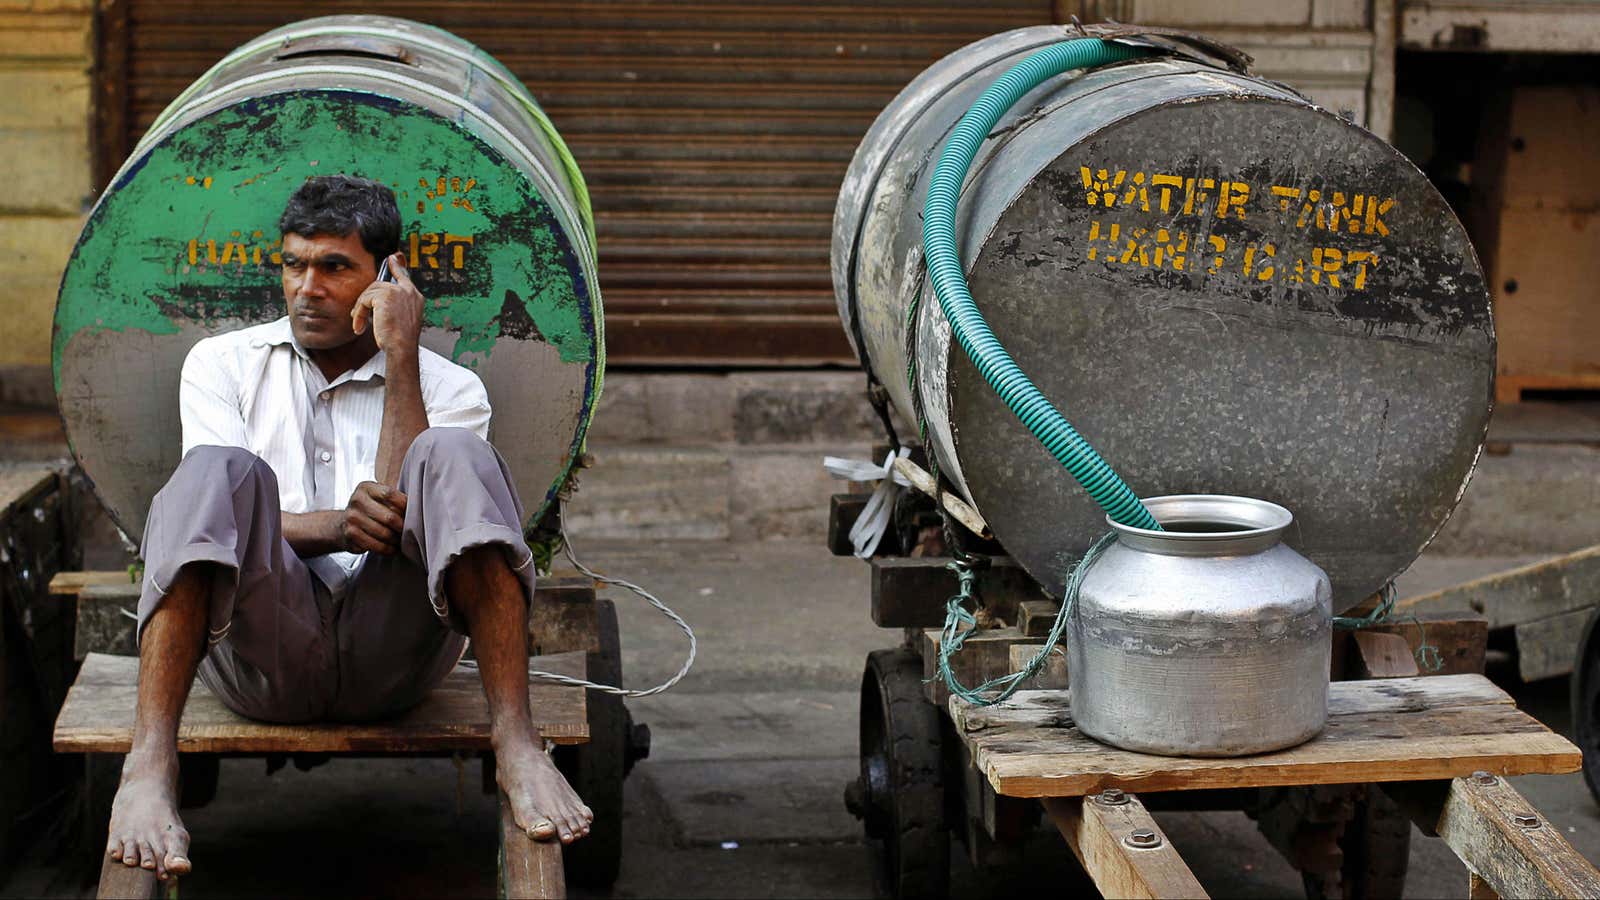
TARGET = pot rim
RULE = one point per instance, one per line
(1257, 519)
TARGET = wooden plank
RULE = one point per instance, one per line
(1379, 655)
(1102, 831)
(19, 487)
(1525, 594)
(98, 716)
(562, 615)
(1509, 845)
(911, 591)
(121, 882)
(528, 868)
(1403, 729)
(1549, 647)
(985, 655)
(106, 621)
(67, 585)
(843, 511)
(1460, 640)
(953, 504)
(1052, 675)
(1037, 617)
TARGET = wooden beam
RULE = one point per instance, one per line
(1525, 594)
(1410, 729)
(1460, 639)
(1378, 655)
(65, 586)
(528, 868)
(98, 716)
(1478, 889)
(562, 616)
(1509, 845)
(1037, 617)
(1549, 647)
(1052, 674)
(1121, 846)
(122, 882)
(953, 504)
(911, 591)
(985, 655)
(843, 511)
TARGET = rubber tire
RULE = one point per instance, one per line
(1585, 692)
(1377, 851)
(595, 769)
(901, 754)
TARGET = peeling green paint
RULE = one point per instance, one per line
(188, 232)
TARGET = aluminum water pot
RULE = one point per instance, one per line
(1210, 638)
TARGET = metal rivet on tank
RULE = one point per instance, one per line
(1113, 797)
(1482, 777)
(1143, 839)
(1523, 820)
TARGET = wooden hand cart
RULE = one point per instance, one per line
(1398, 748)
(571, 632)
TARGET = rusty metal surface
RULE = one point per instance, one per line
(713, 134)
(1193, 360)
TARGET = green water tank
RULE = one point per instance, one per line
(184, 243)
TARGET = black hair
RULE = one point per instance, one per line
(341, 204)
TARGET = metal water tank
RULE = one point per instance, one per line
(1226, 288)
(184, 242)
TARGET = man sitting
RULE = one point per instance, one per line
(338, 527)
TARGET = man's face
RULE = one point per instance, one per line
(322, 276)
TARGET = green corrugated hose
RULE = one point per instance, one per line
(1041, 417)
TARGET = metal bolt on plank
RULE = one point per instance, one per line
(1143, 839)
(1113, 797)
(1482, 777)
(1523, 820)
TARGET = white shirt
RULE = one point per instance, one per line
(258, 389)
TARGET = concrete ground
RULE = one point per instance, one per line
(741, 796)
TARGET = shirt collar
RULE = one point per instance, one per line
(278, 333)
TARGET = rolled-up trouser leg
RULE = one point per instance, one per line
(397, 633)
(268, 657)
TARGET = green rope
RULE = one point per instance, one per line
(959, 624)
(1427, 654)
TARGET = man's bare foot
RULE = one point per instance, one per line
(145, 828)
(542, 802)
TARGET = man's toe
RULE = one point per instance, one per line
(542, 829)
(177, 860)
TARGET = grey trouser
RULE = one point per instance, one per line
(279, 647)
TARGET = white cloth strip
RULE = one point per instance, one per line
(873, 522)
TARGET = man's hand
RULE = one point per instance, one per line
(373, 519)
(394, 310)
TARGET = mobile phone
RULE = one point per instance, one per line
(383, 272)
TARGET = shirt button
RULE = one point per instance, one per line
(326, 395)
(326, 456)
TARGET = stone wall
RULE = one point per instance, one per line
(46, 57)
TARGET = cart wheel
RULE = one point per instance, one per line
(1377, 850)
(596, 769)
(899, 795)
(1586, 704)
